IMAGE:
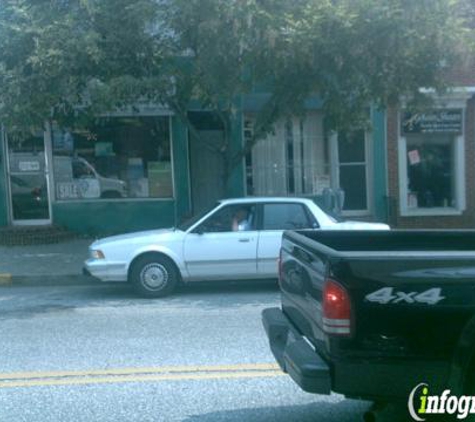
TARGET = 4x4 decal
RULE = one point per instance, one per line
(390, 295)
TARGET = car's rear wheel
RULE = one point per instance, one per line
(154, 275)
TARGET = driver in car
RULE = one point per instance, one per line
(241, 220)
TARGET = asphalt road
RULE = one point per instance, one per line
(98, 353)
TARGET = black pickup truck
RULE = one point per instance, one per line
(373, 314)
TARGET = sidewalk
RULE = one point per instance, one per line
(54, 264)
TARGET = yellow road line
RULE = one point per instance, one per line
(141, 378)
(138, 371)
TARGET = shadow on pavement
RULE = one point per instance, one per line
(220, 287)
(194, 290)
(26, 302)
(344, 411)
(205, 295)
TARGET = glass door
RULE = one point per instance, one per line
(353, 171)
(27, 174)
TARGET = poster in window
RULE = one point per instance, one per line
(160, 179)
(103, 149)
(63, 168)
(135, 168)
(87, 188)
(29, 166)
(414, 157)
(67, 190)
(322, 182)
(63, 141)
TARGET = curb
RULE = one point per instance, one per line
(9, 280)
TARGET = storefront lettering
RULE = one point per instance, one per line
(29, 166)
(85, 188)
(434, 121)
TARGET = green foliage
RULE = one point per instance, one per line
(51, 51)
(70, 60)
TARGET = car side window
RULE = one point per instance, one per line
(230, 218)
(285, 216)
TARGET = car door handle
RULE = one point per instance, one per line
(244, 240)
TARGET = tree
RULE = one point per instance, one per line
(69, 60)
(53, 51)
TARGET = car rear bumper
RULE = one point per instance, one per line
(295, 355)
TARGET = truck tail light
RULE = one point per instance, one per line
(336, 309)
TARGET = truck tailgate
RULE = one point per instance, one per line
(410, 298)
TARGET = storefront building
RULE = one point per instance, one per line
(126, 173)
(135, 171)
(301, 158)
(431, 163)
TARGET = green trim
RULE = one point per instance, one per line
(113, 217)
(3, 187)
(236, 182)
(181, 167)
(378, 121)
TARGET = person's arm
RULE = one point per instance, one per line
(244, 225)
(235, 224)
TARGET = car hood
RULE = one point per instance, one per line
(148, 236)
(359, 225)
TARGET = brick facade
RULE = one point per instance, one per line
(467, 218)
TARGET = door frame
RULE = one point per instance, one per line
(6, 154)
(335, 173)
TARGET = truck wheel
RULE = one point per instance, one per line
(154, 276)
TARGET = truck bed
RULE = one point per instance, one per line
(412, 297)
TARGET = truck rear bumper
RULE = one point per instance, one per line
(294, 354)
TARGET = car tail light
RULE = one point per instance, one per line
(336, 309)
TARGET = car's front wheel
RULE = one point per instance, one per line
(154, 275)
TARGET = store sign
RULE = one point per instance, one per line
(29, 166)
(433, 121)
(322, 182)
(67, 190)
(82, 189)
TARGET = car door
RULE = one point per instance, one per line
(222, 248)
(275, 218)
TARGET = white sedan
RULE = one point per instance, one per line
(237, 239)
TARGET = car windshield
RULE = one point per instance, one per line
(187, 223)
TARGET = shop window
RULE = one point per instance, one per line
(289, 161)
(115, 158)
(430, 172)
(431, 159)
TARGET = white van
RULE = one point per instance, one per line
(76, 178)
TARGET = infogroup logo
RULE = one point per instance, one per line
(421, 404)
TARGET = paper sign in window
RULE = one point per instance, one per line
(414, 157)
